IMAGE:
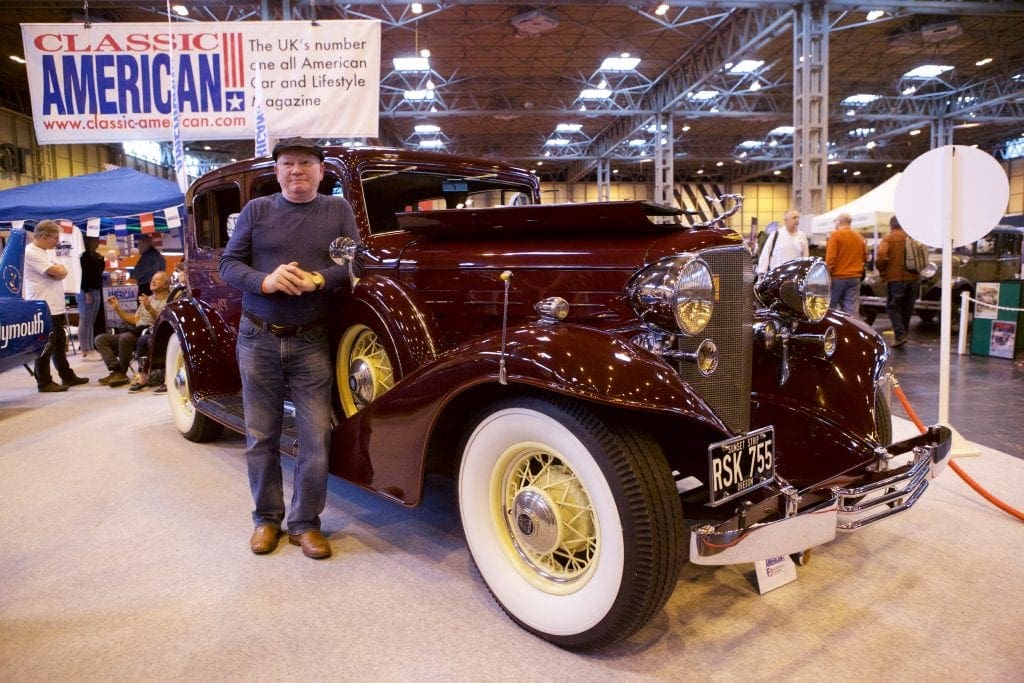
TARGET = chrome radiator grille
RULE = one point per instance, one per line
(727, 390)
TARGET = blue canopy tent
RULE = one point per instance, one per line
(117, 197)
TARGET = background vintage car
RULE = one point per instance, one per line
(25, 326)
(596, 378)
(994, 258)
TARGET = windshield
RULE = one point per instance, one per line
(395, 190)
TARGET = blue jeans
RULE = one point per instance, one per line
(844, 294)
(900, 297)
(267, 365)
(87, 313)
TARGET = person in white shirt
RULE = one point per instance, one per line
(783, 245)
(43, 280)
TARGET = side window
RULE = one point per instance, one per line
(213, 210)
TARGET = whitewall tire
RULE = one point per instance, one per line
(192, 424)
(574, 524)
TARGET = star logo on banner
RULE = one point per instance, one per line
(236, 101)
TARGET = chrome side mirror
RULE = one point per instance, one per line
(343, 251)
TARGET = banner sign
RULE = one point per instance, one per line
(112, 82)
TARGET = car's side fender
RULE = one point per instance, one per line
(414, 333)
(582, 362)
(207, 341)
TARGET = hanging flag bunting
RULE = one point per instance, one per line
(92, 227)
(172, 217)
(66, 226)
(120, 229)
(146, 224)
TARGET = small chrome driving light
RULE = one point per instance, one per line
(553, 309)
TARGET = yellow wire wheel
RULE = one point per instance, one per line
(363, 368)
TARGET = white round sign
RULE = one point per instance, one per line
(959, 184)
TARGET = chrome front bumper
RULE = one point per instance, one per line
(774, 527)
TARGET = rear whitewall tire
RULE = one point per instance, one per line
(192, 424)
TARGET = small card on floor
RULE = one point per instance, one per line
(774, 572)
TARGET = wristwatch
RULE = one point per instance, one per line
(318, 281)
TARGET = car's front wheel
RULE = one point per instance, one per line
(192, 424)
(575, 525)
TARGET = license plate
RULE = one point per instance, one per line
(740, 464)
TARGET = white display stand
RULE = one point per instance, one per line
(949, 197)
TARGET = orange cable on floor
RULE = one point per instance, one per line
(1008, 509)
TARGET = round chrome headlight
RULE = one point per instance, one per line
(694, 297)
(801, 286)
(676, 294)
(817, 292)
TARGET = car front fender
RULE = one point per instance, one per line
(573, 360)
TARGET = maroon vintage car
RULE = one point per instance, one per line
(609, 390)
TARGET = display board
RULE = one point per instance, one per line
(998, 332)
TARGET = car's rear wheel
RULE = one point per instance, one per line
(364, 368)
(575, 525)
(192, 424)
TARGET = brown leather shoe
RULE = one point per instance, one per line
(264, 539)
(313, 544)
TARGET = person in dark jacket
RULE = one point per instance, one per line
(150, 262)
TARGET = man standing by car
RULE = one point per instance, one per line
(783, 245)
(845, 256)
(278, 257)
(43, 280)
(901, 286)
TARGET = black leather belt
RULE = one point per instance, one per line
(281, 330)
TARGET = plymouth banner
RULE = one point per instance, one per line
(113, 82)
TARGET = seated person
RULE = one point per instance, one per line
(117, 349)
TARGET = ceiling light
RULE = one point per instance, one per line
(871, 144)
(556, 142)
(180, 10)
(702, 95)
(983, 62)
(411, 64)
(755, 86)
(653, 128)
(909, 90)
(662, 9)
(686, 128)
(431, 144)
(875, 14)
(782, 130)
(424, 128)
(889, 165)
(927, 71)
(595, 94)
(916, 131)
(416, 8)
(776, 172)
(856, 173)
(419, 95)
(700, 171)
(720, 163)
(623, 63)
(747, 66)
(425, 53)
(750, 144)
(860, 99)
(637, 142)
(17, 59)
(861, 132)
(568, 128)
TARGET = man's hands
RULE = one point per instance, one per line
(288, 278)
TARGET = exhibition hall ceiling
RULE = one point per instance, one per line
(511, 81)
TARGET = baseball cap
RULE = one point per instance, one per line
(298, 144)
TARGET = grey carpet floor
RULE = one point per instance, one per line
(125, 557)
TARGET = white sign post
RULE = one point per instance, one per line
(951, 196)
